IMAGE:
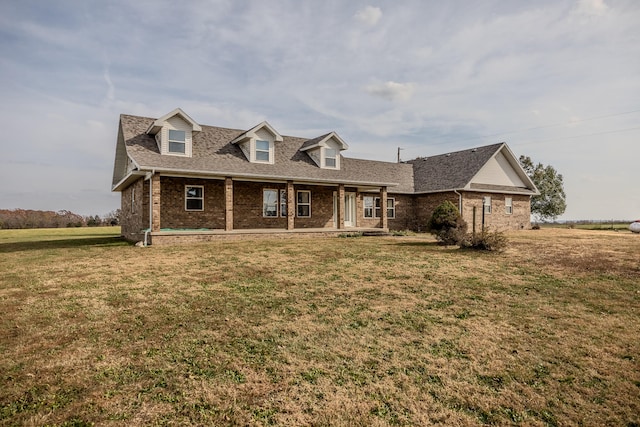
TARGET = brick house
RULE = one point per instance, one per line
(182, 181)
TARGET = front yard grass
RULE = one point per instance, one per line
(369, 331)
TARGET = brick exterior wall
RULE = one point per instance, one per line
(134, 214)
(173, 213)
(412, 212)
(404, 218)
(498, 219)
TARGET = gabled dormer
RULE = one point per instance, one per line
(258, 143)
(325, 150)
(174, 133)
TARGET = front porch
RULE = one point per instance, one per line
(177, 236)
(239, 208)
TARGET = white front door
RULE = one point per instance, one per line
(350, 209)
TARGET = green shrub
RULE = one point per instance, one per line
(447, 225)
(494, 241)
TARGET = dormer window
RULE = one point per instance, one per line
(177, 141)
(330, 155)
(325, 150)
(257, 144)
(263, 151)
(174, 133)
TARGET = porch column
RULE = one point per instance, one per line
(228, 204)
(291, 206)
(383, 208)
(155, 202)
(341, 206)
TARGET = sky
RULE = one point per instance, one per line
(559, 81)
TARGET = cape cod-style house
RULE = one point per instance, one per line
(180, 180)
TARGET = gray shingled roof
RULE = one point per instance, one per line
(452, 170)
(214, 154)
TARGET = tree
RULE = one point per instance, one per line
(447, 225)
(551, 202)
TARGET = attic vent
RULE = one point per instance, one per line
(448, 154)
(474, 150)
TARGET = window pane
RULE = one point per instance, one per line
(270, 203)
(303, 196)
(304, 210)
(177, 135)
(194, 204)
(194, 191)
(262, 156)
(176, 147)
(262, 145)
(330, 162)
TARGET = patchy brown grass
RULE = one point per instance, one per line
(353, 331)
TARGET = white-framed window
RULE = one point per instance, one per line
(303, 205)
(486, 202)
(330, 158)
(133, 199)
(283, 203)
(508, 205)
(177, 141)
(391, 207)
(263, 151)
(269, 203)
(194, 197)
(367, 202)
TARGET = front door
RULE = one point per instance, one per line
(349, 209)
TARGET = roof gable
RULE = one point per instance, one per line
(325, 141)
(159, 123)
(254, 133)
(491, 167)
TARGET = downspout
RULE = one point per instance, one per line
(459, 201)
(147, 231)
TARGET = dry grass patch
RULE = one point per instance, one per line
(362, 331)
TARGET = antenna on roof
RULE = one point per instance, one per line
(399, 149)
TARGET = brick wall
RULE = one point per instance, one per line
(498, 219)
(404, 215)
(134, 214)
(425, 204)
(173, 213)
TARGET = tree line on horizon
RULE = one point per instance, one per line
(27, 218)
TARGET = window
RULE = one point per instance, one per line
(283, 203)
(486, 203)
(177, 142)
(368, 206)
(263, 152)
(194, 197)
(391, 207)
(270, 203)
(330, 158)
(508, 205)
(133, 199)
(304, 203)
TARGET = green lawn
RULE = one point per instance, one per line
(327, 331)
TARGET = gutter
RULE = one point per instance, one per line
(262, 177)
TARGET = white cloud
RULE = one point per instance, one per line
(391, 90)
(592, 7)
(370, 15)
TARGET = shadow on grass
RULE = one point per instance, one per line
(79, 242)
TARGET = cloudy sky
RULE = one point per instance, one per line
(559, 81)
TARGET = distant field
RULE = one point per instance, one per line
(330, 331)
(620, 226)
